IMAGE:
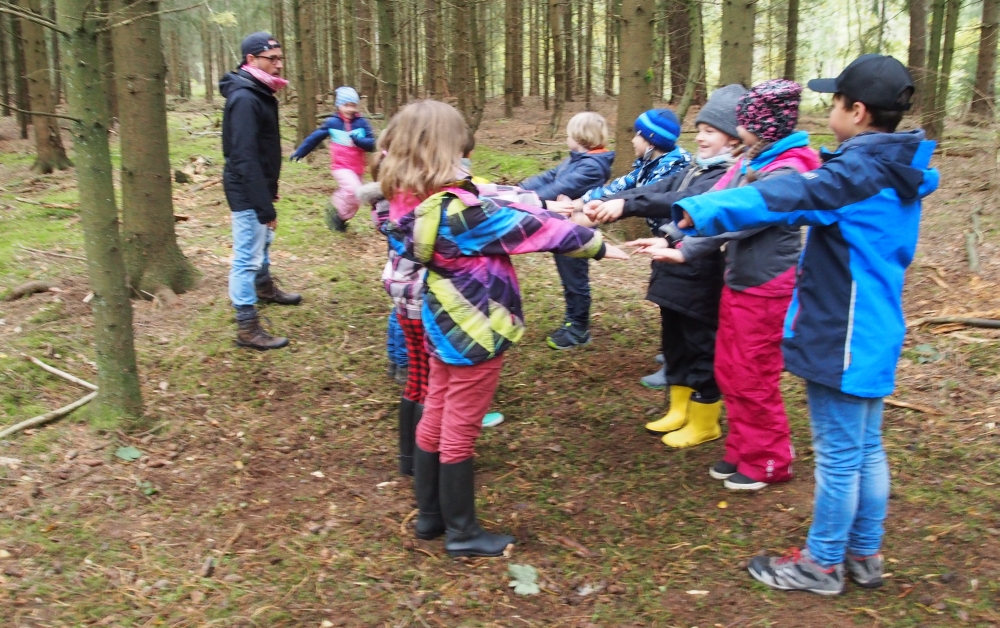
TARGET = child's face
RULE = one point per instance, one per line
(348, 110)
(641, 145)
(748, 138)
(711, 141)
(847, 122)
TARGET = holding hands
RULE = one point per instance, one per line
(658, 249)
(604, 212)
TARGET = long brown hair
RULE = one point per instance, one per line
(423, 145)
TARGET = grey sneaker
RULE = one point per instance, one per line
(656, 381)
(797, 571)
(722, 470)
(866, 572)
(659, 359)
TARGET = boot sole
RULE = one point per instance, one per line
(258, 347)
(429, 536)
(660, 434)
(756, 486)
(472, 554)
(278, 302)
(720, 476)
(653, 386)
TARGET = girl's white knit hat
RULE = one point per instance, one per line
(345, 95)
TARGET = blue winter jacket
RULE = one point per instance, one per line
(577, 174)
(336, 123)
(844, 328)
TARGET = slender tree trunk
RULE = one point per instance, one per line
(917, 55)
(56, 63)
(106, 57)
(509, 45)
(610, 47)
(4, 73)
(534, 74)
(679, 46)
(547, 39)
(154, 262)
(588, 57)
(206, 56)
(460, 81)
(305, 75)
(696, 67)
(388, 53)
(569, 62)
(930, 100)
(369, 86)
(349, 16)
(736, 59)
(556, 7)
(119, 396)
(278, 30)
(636, 46)
(20, 74)
(479, 54)
(984, 91)
(49, 152)
(336, 59)
(435, 60)
(954, 7)
(517, 78)
(791, 39)
(659, 48)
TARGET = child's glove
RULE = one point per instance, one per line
(295, 156)
(358, 134)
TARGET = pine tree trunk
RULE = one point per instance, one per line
(534, 74)
(278, 30)
(953, 9)
(660, 48)
(154, 262)
(696, 65)
(388, 53)
(636, 47)
(336, 59)
(917, 55)
(569, 62)
(588, 84)
(556, 7)
(206, 59)
(4, 73)
(930, 101)
(609, 48)
(368, 82)
(791, 39)
(581, 36)
(49, 152)
(20, 81)
(736, 59)
(546, 12)
(517, 77)
(435, 67)
(349, 15)
(678, 23)
(479, 56)
(119, 397)
(56, 64)
(984, 91)
(509, 45)
(461, 82)
(305, 75)
(106, 57)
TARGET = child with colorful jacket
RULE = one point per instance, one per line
(759, 280)
(844, 330)
(471, 310)
(350, 138)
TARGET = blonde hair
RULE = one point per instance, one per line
(588, 129)
(423, 145)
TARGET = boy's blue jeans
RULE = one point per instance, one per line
(251, 241)
(852, 475)
(395, 342)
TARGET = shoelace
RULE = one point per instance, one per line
(793, 555)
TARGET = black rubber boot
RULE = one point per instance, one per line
(426, 471)
(407, 430)
(458, 507)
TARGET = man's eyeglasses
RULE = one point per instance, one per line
(272, 59)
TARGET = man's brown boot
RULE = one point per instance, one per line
(253, 336)
(268, 292)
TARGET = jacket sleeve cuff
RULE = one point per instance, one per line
(266, 215)
(601, 251)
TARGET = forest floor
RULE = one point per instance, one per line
(267, 493)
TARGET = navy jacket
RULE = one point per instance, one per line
(574, 177)
(251, 145)
(844, 328)
(336, 123)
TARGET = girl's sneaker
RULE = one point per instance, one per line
(656, 381)
(722, 470)
(797, 571)
(740, 482)
(865, 571)
(492, 419)
(659, 359)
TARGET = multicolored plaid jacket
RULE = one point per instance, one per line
(644, 173)
(472, 304)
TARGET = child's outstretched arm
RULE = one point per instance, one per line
(819, 197)
(365, 142)
(573, 182)
(311, 142)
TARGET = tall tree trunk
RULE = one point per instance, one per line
(206, 59)
(278, 30)
(791, 39)
(534, 73)
(588, 57)
(49, 152)
(388, 53)
(984, 91)
(369, 86)
(953, 9)
(610, 47)
(518, 75)
(305, 75)
(349, 15)
(479, 56)
(736, 59)
(636, 45)
(435, 52)
(20, 81)
(569, 62)
(509, 45)
(4, 73)
(106, 57)
(546, 11)
(917, 55)
(461, 80)
(696, 66)
(679, 45)
(556, 7)
(119, 397)
(154, 262)
(336, 59)
(660, 47)
(930, 101)
(56, 61)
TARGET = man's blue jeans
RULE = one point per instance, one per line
(251, 263)
(852, 475)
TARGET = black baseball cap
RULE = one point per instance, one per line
(256, 43)
(876, 80)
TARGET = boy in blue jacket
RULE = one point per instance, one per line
(844, 329)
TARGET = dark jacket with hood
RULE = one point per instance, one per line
(251, 145)
(844, 328)
(574, 177)
(692, 288)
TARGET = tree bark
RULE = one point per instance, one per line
(953, 9)
(49, 152)
(20, 81)
(534, 75)
(349, 16)
(435, 53)
(518, 75)
(56, 60)
(636, 45)
(791, 39)
(736, 59)
(153, 260)
(679, 47)
(929, 101)
(305, 75)
(569, 63)
(509, 45)
(546, 45)
(206, 56)
(588, 58)
(556, 7)
(479, 57)
(106, 57)
(336, 59)
(984, 91)
(460, 78)
(610, 47)
(369, 84)
(4, 73)
(388, 54)
(119, 399)
(917, 53)
(696, 67)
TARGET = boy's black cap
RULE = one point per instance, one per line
(256, 43)
(876, 80)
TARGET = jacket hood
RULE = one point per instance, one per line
(904, 157)
(370, 193)
(233, 81)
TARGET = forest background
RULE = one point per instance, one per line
(204, 485)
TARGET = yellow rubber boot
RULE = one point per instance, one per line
(674, 419)
(702, 426)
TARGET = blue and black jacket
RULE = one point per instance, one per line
(844, 328)
(335, 122)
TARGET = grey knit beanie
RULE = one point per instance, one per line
(720, 110)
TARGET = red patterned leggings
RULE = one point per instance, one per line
(416, 381)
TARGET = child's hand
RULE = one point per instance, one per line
(295, 157)
(648, 243)
(673, 256)
(562, 198)
(358, 134)
(613, 252)
(607, 212)
(686, 221)
(560, 207)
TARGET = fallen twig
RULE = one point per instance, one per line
(52, 253)
(48, 416)
(29, 201)
(889, 401)
(62, 374)
(971, 252)
(27, 289)
(971, 322)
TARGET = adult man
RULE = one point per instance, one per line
(252, 147)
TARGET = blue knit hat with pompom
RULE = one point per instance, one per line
(659, 127)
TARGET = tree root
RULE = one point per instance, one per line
(48, 416)
(27, 289)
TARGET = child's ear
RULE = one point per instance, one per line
(860, 113)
